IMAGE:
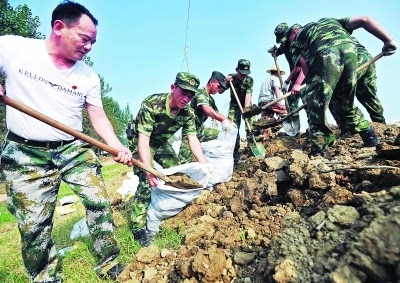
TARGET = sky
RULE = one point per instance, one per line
(140, 44)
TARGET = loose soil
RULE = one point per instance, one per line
(289, 218)
(182, 181)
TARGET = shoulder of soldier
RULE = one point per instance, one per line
(249, 79)
(156, 100)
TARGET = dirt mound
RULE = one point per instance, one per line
(290, 218)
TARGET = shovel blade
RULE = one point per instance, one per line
(258, 150)
(292, 127)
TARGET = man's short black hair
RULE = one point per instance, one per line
(70, 12)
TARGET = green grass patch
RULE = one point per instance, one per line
(169, 238)
(5, 215)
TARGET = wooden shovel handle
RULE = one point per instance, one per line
(240, 105)
(370, 61)
(45, 119)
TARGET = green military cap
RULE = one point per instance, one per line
(293, 27)
(220, 78)
(244, 66)
(280, 32)
(187, 81)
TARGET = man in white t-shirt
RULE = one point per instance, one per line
(49, 76)
(271, 90)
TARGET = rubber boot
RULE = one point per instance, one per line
(369, 137)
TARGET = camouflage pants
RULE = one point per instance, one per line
(366, 92)
(166, 157)
(333, 68)
(235, 115)
(33, 177)
(203, 134)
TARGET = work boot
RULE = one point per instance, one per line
(144, 238)
(316, 151)
(113, 272)
(369, 137)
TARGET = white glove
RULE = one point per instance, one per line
(209, 167)
(285, 87)
(389, 47)
(226, 125)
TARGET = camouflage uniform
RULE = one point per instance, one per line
(203, 134)
(154, 119)
(234, 114)
(366, 83)
(331, 56)
(33, 175)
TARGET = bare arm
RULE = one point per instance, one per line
(196, 148)
(293, 74)
(303, 72)
(2, 91)
(210, 112)
(145, 156)
(370, 25)
(104, 129)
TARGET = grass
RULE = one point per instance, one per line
(78, 264)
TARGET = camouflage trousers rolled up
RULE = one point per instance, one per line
(366, 92)
(203, 134)
(33, 177)
(166, 157)
(334, 67)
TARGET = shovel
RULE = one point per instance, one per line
(45, 119)
(257, 148)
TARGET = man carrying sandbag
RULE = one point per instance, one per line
(161, 116)
(204, 106)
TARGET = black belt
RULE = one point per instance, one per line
(49, 144)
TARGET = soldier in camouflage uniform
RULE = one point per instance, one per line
(243, 85)
(326, 51)
(366, 83)
(284, 48)
(161, 116)
(37, 157)
(204, 106)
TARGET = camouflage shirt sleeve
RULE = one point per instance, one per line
(344, 22)
(249, 85)
(202, 98)
(145, 118)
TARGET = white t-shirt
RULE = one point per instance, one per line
(34, 80)
(267, 90)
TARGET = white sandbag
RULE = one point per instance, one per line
(167, 201)
(129, 186)
(80, 230)
(219, 153)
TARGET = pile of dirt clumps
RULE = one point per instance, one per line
(290, 218)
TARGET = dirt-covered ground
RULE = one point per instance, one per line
(290, 218)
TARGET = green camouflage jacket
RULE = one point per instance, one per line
(242, 88)
(315, 37)
(202, 98)
(155, 120)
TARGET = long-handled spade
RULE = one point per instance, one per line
(256, 148)
(45, 119)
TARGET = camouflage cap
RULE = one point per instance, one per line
(220, 78)
(290, 30)
(280, 32)
(244, 66)
(187, 81)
